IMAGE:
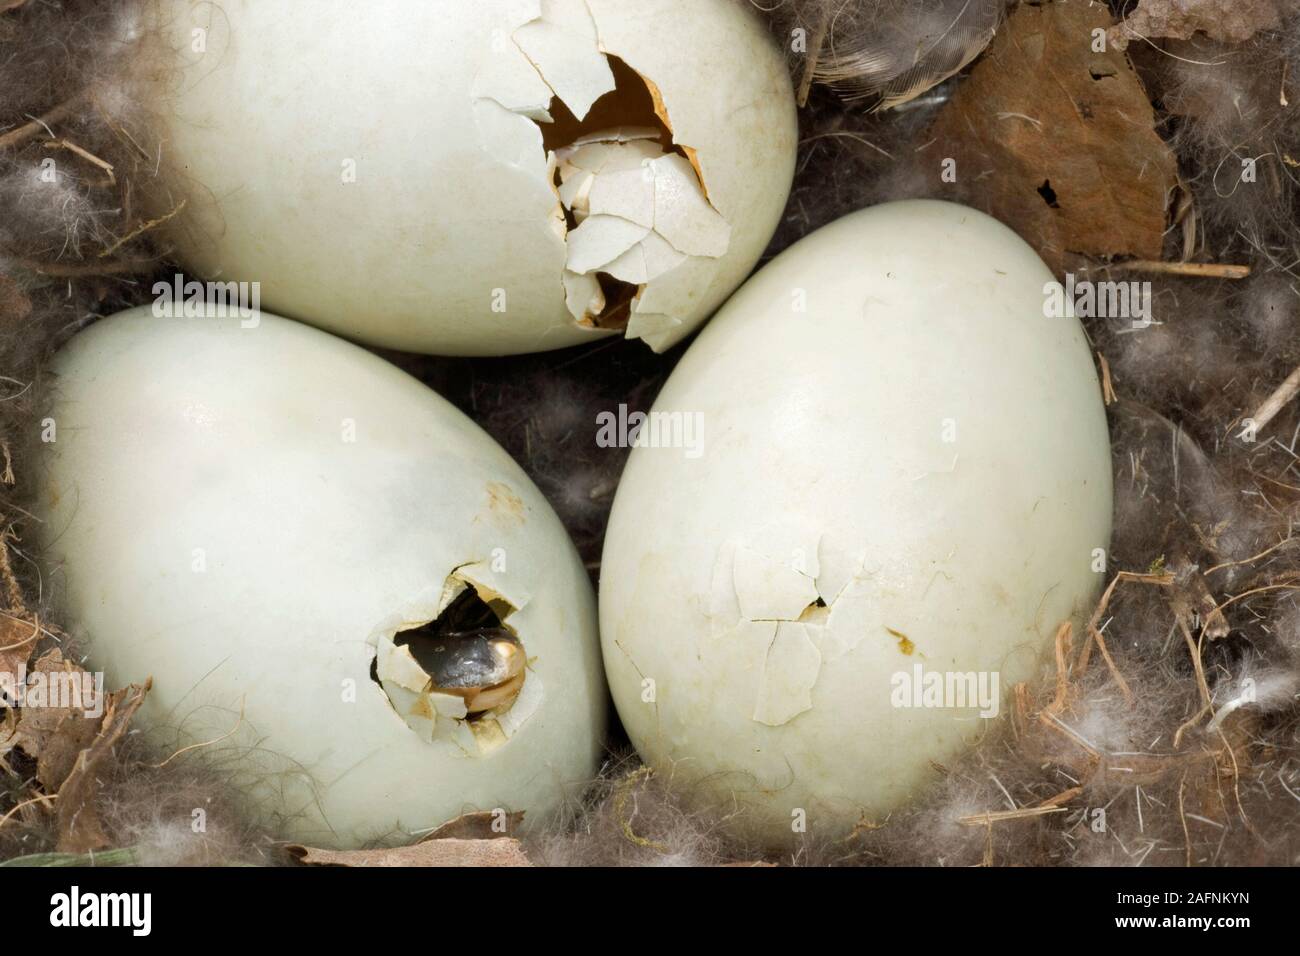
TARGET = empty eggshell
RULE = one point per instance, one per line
(475, 178)
(329, 572)
(902, 489)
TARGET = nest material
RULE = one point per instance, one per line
(1166, 731)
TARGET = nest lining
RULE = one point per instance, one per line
(1166, 731)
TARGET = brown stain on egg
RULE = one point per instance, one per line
(904, 642)
(504, 503)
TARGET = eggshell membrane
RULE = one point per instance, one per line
(450, 239)
(242, 513)
(826, 472)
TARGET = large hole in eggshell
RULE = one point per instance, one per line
(630, 103)
(470, 652)
(634, 103)
(459, 674)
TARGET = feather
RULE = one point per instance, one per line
(891, 51)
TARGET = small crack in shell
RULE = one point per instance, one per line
(784, 604)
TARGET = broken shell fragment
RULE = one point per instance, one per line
(553, 171)
(343, 589)
(902, 488)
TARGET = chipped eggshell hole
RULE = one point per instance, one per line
(395, 180)
(252, 512)
(904, 471)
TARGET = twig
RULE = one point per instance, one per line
(1236, 782)
(1198, 666)
(1095, 634)
(18, 806)
(1108, 395)
(1062, 644)
(1182, 815)
(1065, 796)
(994, 816)
(1205, 270)
(1189, 723)
(813, 54)
(1110, 663)
(16, 136)
(61, 271)
(87, 155)
(1281, 396)
(1253, 558)
(142, 228)
(13, 591)
(624, 791)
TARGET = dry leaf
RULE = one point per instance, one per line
(55, 728)
(1060, 140)
(1192, 600)
(17, 641)
(502, 851)
(80, 829)
(1232, 21)
(73, 735)
(480, 825)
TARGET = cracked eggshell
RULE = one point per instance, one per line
(247, 513)
(892, 429)
(382, 173)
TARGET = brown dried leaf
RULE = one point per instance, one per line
(80, 830)
(1232, 21)
(17, 641)
(480, 825)
(1060, 140)
(502, 851)
(1192, 600)
(73, 735)
(53, 723)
